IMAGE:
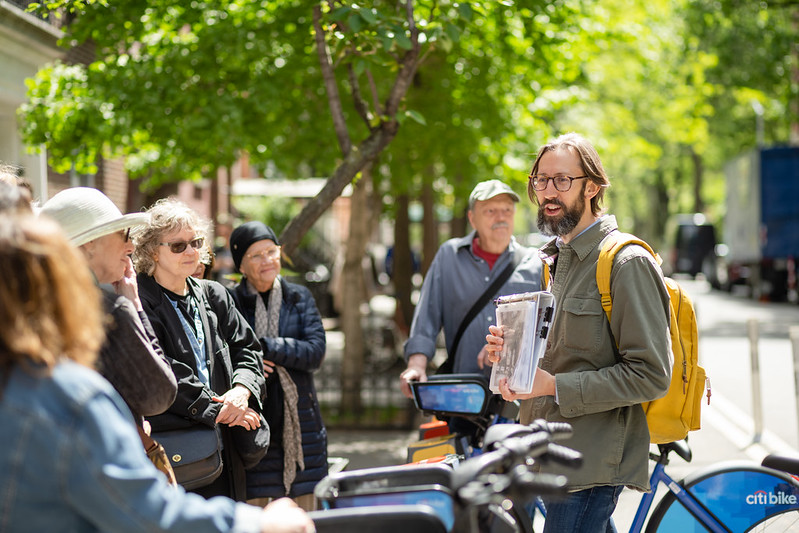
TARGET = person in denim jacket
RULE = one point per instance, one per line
(583, 379)
(71, 460)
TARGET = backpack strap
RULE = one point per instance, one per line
(611, 245)
(545, 275)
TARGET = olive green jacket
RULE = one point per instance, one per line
(599, 392)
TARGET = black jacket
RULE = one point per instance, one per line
(300, 348)
(132, 359)
(236, 359)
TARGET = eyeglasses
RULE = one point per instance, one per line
(178, 247)
(562, 183)
(266, 255)
(126, 233)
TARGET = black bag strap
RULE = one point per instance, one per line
(448, 365)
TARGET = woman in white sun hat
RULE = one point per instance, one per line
(131, 357)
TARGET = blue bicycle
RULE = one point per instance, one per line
(725, 497)
(728, 497)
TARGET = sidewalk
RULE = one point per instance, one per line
(370, 448)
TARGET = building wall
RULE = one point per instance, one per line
(26, 44)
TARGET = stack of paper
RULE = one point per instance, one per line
(525, 320)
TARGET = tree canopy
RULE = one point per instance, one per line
(442, 93)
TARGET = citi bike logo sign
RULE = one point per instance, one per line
(761, 497)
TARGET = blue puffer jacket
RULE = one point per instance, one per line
(300, 348)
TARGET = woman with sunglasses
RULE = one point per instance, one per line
(214, 353)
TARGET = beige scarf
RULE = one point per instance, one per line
(266, 325)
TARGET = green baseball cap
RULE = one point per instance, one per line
(485, 190)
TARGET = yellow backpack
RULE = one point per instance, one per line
(671, 417)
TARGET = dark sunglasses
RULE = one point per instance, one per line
(178, 247)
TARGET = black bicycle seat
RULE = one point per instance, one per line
(785, 463)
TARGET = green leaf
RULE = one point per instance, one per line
(359, 66)
(465, 9)
(385, 40)
(340, 14)
(415, 115)
(355, 22)
(369, 15)
(453, 32)
(403, 41)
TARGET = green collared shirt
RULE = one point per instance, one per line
(599, 391)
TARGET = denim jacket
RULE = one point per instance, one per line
(72, 461)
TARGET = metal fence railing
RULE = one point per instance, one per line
(383, 404)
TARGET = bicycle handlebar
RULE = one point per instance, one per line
(562, 455)
(512, 448)
(500, 433)
(558, 430)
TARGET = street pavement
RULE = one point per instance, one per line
(728, 427)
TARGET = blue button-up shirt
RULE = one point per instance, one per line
(457, 277)
(72, 461)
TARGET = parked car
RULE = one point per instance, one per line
(694, 248)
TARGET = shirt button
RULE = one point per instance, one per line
(486, 278)
(194, 411)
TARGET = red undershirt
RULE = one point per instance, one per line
(479, 252)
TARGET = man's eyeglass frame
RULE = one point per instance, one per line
(536, 181)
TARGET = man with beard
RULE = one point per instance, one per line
(583, 378)
(464, 269)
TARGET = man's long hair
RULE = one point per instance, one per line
(589, 161)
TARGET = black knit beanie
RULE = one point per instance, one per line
(245, 235)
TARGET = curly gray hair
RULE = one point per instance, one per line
(166, 216)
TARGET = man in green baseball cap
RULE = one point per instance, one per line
(463, 273)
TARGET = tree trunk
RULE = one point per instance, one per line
(459, 225)
(354, 162)
(353, 294)
(429, 227)
(661, 199)
(699, 170)
(402, 265)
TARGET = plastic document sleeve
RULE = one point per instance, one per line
(525, 320)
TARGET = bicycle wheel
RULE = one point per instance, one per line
(742, 496)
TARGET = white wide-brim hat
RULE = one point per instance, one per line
(86, 214)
